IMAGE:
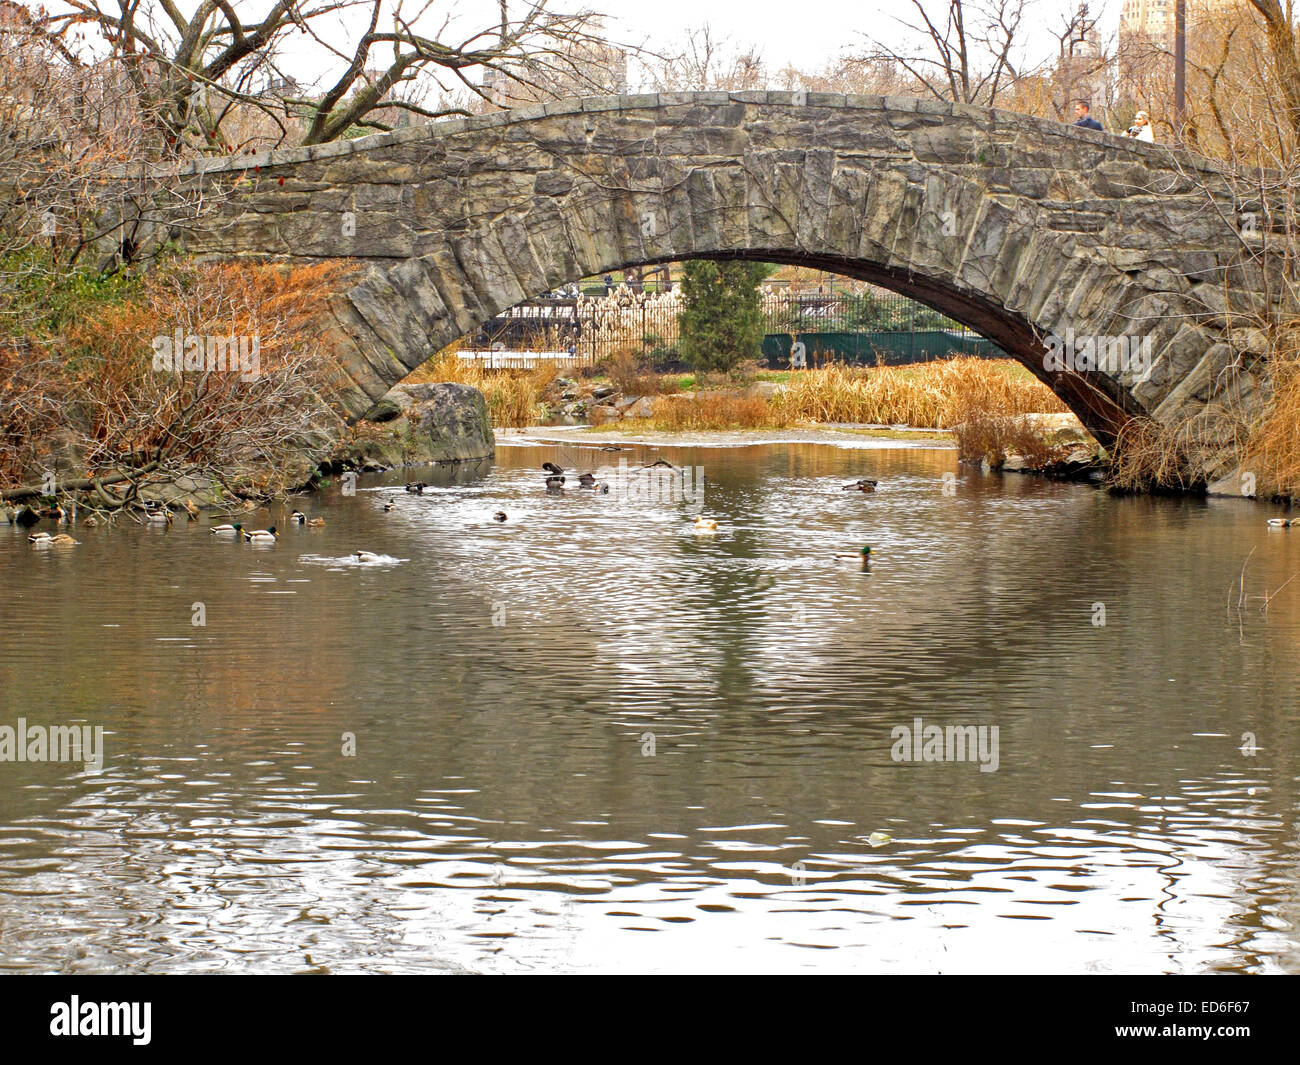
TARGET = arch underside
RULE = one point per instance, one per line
(1100, 402)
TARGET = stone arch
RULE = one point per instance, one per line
(1018, 227)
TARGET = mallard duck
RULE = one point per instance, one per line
(416, 487)
(55, 513)
(554, 476)
(862, 558)
(261, 536)
(226, 530)
(366, 556)
(90, 521)
(390, 505)
(191, 511)
(156, 514)
(864, 485)
(44, 539)
(704, 526)
(500, 515)
(315, 523)
(1282, 523)
(587, 480)
(299, 517)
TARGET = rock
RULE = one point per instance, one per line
(1015, 464)
(601, 391)
(384, 411)
(438, 423)
(764, 390)
(623, 402)
(1232, 484)
(604, 413)
(451, 422)
(642, 408)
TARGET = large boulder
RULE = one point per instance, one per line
(423, 423)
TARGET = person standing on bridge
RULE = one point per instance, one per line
(1141, 128)
(1083, 116)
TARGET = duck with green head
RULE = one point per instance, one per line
(862, 558)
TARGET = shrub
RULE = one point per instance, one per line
(721, 320)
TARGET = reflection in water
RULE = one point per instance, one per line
(586, 738)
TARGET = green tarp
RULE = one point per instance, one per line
(870, 349)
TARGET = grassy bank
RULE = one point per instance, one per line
(938, 395)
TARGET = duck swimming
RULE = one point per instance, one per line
(299, 517)
(554, 476)
(705, 526)
(315, 523)
(1282, 523)
(863, 558)
(500, 515)
(157, 514)
(44, 539)
(864, 485)
(261, 536)
(366, 556)
(226, 530)
(390, 505)
(416, 487)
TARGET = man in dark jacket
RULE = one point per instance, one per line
(1083, 116)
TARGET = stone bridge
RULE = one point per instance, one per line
(1023, 229)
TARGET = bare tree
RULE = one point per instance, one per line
(961, 50)
(1279, 24)
(195, 73)
(709, 62)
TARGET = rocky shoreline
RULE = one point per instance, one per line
(423, 424)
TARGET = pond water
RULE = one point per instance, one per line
(588, 739)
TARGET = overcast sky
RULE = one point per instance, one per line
(806, 33)
(802, 32)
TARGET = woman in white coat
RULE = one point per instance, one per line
(1141, 128)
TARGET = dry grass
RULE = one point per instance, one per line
(632, 376)
(1151, 457)
(1273, 446)
(97, 371)
(992, 438)
(513, 396)
(936, 395)
(939, 394)
(714, 410)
